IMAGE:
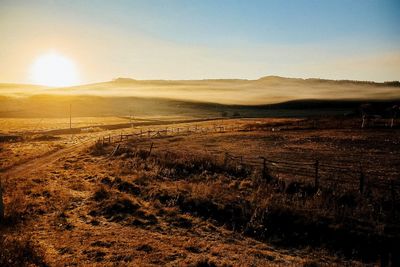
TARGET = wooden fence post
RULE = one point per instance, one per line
(1, 203)
(121, 136)
(226, 159)
(151, 148)
(264, 168)
(265, 174)
(239, 163)
(109, 138)
(114, 151)
(362, 180)
(393, 197)
(316, 182)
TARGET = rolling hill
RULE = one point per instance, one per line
(267, 96)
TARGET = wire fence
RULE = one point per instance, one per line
(168, 131)
(316, 172)
(348, 173)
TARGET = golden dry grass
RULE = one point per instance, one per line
(95, 210)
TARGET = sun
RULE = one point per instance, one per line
(53, 69)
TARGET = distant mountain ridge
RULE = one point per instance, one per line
(271, 78)
(265, 90)
(386, 83)
(268, 78)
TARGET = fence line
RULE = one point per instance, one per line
(150, 133)
(322, 172)
(306, 169)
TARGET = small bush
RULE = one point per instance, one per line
(98, 149)
(20, 251)
(205, 263)
(10, 138)
(311, 264)
(119, 206)
(46, 138)
(236, 114)
(101, 194)
(16, 208)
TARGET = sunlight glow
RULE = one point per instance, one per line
(53, 69)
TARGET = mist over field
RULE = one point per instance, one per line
(266, 90)
(125, 96)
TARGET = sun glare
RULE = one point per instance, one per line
(53, 69)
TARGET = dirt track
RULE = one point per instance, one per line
(48, 158)
(37, 163)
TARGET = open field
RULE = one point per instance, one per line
(31, 138)
(199, 193)
(23, 125)
(199, 133)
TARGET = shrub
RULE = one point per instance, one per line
(101, 194)
(98, 149)
(205, 263)
(15, 210)
(20, 251)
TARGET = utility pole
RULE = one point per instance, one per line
(131, 114)
(130, 117)
(1, 204)
(70, 117)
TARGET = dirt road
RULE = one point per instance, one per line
(41, 161)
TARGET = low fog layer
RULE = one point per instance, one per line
(202, 98)
(267, 90)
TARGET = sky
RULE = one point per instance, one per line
(171, 39)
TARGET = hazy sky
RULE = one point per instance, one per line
(166, 39)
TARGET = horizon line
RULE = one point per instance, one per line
(203, 79)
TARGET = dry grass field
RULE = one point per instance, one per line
(199, 133)
(21, 125)
(38, 137)
(199, 194)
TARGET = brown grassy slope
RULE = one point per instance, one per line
(181, 208)
(337, 216)
(78, 217)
